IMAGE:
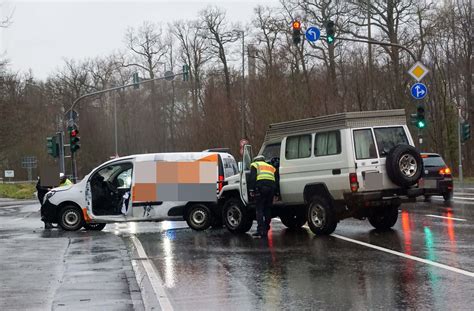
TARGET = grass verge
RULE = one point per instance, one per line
(17, 191)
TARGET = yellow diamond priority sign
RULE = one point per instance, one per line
(418, 71)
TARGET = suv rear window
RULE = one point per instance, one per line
(327, 143)
(298, 147)
(389, 137)
(364, 144)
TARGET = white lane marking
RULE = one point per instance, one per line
(445, 217)
(154, 277)
(429, 262)
(463, 198)
(456, 200)
(464, 193)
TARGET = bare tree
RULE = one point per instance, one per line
(220, 35)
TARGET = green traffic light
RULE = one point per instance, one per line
(330, 39)
(421, 124)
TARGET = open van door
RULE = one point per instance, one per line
(245, 173)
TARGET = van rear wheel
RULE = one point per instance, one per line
(236, 216)
(321, 217)
(198, 217)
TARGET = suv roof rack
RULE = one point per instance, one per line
(336, 121)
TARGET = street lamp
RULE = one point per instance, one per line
(242, 109)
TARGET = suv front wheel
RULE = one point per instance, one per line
(236, 216)
(321, 217)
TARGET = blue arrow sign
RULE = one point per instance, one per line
(419, 91)
(312, 34)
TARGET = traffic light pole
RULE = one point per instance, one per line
(69, 112)
(61, 151)
(461, 180)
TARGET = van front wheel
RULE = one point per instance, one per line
(198, 217)
(321, 217)
(70, 218)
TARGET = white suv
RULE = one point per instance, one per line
(355, 164)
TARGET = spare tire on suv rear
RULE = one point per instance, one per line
(404, 165)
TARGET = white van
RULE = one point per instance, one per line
(144, 187)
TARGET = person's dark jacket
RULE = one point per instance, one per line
(41, 191)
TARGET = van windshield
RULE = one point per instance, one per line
(389, 137)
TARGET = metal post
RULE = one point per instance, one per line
(115, 127)
(461, 181)
(60, 136)
(369, 35)
(242, 90)
(30, 173)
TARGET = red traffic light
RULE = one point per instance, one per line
(74, 133)
(296, 25)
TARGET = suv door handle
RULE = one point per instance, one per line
(336, 171)
(375, 162)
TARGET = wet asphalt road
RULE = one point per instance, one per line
(426, 262)
(297, 270)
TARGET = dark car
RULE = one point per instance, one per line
(437, 178)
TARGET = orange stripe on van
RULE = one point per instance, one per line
(86, 215)
(209, 158)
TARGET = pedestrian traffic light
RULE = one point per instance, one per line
(136, 80)
(420, 120)
(52, 145)
(330, 32)
(465, 131)
(74, 139)
(296, 32)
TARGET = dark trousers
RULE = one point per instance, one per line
(264, 205)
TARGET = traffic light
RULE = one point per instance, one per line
(418, 118)
(185, 73)
(330, 32)
(296, 32)
(465, 131)
(420, 122)
(136, 80)
(74, 139)
(52, 145)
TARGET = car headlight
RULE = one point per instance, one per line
(49, 195)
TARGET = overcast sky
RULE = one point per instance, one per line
(43, 33)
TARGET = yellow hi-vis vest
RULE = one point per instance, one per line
(265, 171)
